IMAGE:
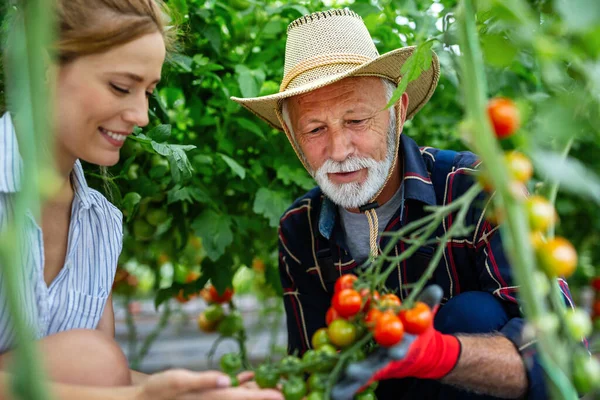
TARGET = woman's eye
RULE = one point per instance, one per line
(119, 89)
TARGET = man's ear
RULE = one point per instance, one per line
(404, 106)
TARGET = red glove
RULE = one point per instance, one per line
(431, 355)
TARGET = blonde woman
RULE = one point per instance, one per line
(108, 59)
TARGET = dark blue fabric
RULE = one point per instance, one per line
(469, 312)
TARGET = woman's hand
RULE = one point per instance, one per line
(180, 384)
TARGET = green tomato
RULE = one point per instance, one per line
(291, 365)
(317, 382)
(266, 377)
(579, 324)
(156, 216)
(294, 388)
(328, 355)
(320, 338)
(142, 230)
(341, 333)
(366, 395)
(316, 396)
(214, 313)
(586, 373)
(310, 360)
(231, 324)
(231, 363)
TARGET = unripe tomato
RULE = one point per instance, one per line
(347, 302)
(586, 373)
(317, 395)
(537, 239)
(366, 395)
(331, 315)
(541, 213)
(327, 354)
(215, 297)
(214, 313)
(266, 377)
(390, 300)
(182, 297)
(388, 330)
(290, 365)
(504, 116)
(557, 257)
(372, 317)
(231, 363)
(417, 319)
(345, 282)
(205, 325)
(310, 360)
(578, 322)
(367, 297)
(320, 338)
(231, 324)
(294, 388)
(519, 166)
(317, 382)
(341, 333)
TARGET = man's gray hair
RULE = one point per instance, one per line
(389, 88)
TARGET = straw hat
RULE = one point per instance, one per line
(326, 47)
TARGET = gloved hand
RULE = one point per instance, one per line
(430, 355)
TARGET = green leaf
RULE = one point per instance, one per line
(184, 62)
(251, 126)
(270, 204)
(296, 176)
(579, 15)
(181, 168)
(215, 231)
(412, 68)
(160, 133)
(571, 174)
(247, 82)
(129, 202)
(498, 50)
(235, 167)
(187, 194)
(213, 35)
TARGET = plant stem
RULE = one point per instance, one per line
(515, 230)
(151, 338)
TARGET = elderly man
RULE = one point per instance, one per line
(372, 179)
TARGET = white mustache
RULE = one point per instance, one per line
(348, 165)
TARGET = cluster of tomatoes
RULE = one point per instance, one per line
(219, 316)
(353, 309)
(556, 256)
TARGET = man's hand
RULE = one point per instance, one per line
(211, 385)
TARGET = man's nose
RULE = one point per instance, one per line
(340, 145)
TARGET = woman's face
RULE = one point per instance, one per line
(102, 97)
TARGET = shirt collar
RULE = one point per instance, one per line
(10, 159)
(11, 165)
(416, 181)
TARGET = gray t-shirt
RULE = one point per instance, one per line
(356, 226)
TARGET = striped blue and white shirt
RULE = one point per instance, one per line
(77, 296)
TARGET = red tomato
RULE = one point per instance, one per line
(347, 302)
(596, 283)
(215, 297)
(331, 315)
(504, 116)
(417, 319)
(388, 329)
(390, 300)
(345, 282)
(372, 317)
(366, 295)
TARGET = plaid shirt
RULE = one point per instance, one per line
(310, 233)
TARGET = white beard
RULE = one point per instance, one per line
(355, 194)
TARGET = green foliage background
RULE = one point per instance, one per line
(206, 168)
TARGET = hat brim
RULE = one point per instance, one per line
(387, 66)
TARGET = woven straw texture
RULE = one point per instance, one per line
(325, 47)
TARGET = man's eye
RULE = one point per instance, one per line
(357, 121)
(316, 130)
(119, 89)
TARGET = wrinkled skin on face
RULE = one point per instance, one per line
(101, 97)
(343, 132)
